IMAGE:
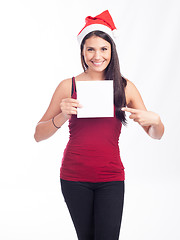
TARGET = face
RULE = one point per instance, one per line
(97, 53)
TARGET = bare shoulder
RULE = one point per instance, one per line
(130, 86)
(130, 90)
(133, 96)
(64, 88)
(62, 91)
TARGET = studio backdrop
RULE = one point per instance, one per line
(39, 49)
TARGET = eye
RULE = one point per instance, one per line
(90, 49)
(104, 48)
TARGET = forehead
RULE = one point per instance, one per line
(96, 41)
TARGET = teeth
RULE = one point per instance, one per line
(97, 63)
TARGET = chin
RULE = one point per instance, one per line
(98, 69)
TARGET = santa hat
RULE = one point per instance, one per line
(102, 22)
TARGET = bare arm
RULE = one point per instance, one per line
(150, 121)
(61, 107)
(45, 129)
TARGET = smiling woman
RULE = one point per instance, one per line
(97, 53)
(92, 173)
(107, 52)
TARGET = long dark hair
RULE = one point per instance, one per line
(112, 73)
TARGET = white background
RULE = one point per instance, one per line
(38, 49)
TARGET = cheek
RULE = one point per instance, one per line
(108, 55)
(87, 56)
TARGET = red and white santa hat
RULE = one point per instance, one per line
(102, 22)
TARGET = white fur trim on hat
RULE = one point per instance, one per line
(94, 27)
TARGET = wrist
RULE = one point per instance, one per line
(55, 124)
(65, 116)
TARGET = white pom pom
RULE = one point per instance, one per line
(115, 33)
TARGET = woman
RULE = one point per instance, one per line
(92, 174)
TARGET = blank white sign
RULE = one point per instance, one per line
(96, 97)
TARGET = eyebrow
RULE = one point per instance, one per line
(100, 47)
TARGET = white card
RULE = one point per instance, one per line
(96, 97)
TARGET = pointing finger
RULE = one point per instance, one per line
(132, 116)
(131, 110)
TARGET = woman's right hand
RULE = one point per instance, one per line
(69, 106)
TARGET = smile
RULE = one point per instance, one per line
(97, 64)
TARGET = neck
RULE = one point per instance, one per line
(95, 75)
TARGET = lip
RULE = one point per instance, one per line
(97, 64)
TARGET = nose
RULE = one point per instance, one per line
(97, 55)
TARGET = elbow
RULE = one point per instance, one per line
(162, 133)
(157, 136)
(156, 132)
(36, 135)
(36, 139)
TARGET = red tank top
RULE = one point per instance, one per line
(92, 152)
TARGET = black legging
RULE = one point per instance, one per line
(95, 208)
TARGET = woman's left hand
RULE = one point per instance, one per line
(143, 117)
